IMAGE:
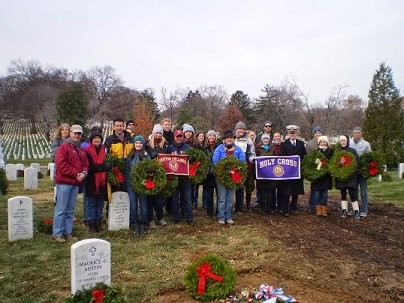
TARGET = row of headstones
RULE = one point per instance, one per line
(21, 223)
(30, 174)
(90, 258)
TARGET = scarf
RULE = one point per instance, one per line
(229, 149)
(99, 177)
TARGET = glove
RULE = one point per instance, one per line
(108, 166)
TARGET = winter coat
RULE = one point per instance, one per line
(247, 146)
(131, 161)
(90, 179)
(70, 161)
(153, 149)
(220, 153)
(119, 148)
(294, 186)
(55, 146)
(325, 182)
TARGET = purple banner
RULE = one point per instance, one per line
(277, 167)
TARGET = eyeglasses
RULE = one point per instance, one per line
(77, 133)
(267, 125)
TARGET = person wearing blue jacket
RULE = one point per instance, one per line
(225, 195)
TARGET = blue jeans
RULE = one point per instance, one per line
(194, 194)
(225, 201)
(93, 207)
(312, 201)
(66, 198)
(363, 184)
(184, 190)
(134, 198)
(320, 197)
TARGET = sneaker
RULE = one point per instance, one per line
(350, 213)
(222, 222)
(70, 238)
(363, 214)
(344, 213)
(162, 222)
(152, 224)
(59, 239)
(230, 222)
(357, 216)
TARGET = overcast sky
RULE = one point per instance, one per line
(240, 45)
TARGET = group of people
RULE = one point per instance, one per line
(81, 164)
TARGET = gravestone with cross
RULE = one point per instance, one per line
(90, 264)
(118, 213)
(20, 218)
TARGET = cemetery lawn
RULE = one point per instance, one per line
(315, 259)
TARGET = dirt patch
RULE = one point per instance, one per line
(327, 259)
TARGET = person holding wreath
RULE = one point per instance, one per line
(225, 194)
(209, 185)
(350, 184)
(138, 202)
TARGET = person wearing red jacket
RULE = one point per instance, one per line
(72, 168)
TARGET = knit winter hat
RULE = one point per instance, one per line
(139, 138)
(188, 127)
(211, 133)
(228, 134)
(95, 134)
(323, 138)
(265, 136)
(157, 128)
(316, 129)
(240, 124)
(357, 129)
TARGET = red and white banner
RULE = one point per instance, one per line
(175, 164)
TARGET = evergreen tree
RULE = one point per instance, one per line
(147, 95)
(243, 102)
(384, 117)
(72, 105)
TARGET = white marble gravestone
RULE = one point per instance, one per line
(90, 264)
(20, 218)
(400, 170)
(118, 212)
(11, 172)
(19, 166)
(37, 166)
(51, 167)
(30, 178)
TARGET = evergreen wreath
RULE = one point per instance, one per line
(209, 278)
(314, 165)
(231, 172)
(343, 165)
(116, 176)
(100, 293)
(3, 182)
(371, 164)
(171, 186)
(198, 165)
(148, 177)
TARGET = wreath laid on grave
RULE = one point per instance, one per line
(100, 293)
(148, 177)
(3, 182)
(198, 165)
(371, 164)
(231, 172)
(342, 165)
(116, 176)
(172, 183)
(314, 166)
(209, 278)
(44, 226)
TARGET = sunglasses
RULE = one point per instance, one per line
(267, 125)
(77, 133)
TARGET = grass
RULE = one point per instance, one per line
(39, 270)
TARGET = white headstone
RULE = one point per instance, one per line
(37, 166)
(20, 166)
(11, 172)
(90, 264)
(51, 167)
(400, 170)
(30, 178)
(118, 211)
(20, 218)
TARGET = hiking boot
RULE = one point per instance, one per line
(191, 222)
(344, 213)
(324, 211)
(356, 215)
(142, 230)
(152, 224)
(59, 239)
(319, 210)
(162, 222)
(136, 229)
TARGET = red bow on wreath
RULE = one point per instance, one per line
(98, 295)
(373, 168)
(345, 161)
(149, 183)
(118, 175)
(204, 271)
(193, 168)
(235, 175)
